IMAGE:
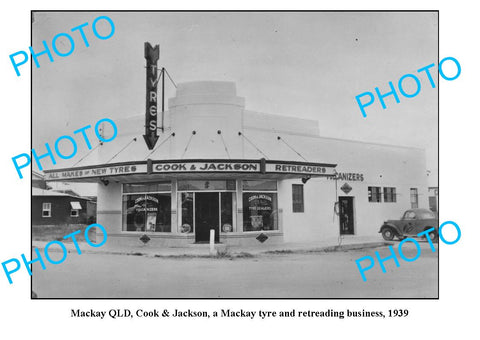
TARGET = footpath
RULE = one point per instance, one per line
(222, 250)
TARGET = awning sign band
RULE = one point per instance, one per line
(127, 169)
(195, 166)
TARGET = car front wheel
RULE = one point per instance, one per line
(388, 234)
(433, 236)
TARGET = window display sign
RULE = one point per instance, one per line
(259, 211)
(147, 212)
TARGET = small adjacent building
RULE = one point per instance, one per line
(50, 207)
(56, 214)
(254, 178)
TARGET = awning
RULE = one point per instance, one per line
(76, 205)
(193, 168)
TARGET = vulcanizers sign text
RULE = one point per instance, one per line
(348, 176)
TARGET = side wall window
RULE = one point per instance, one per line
(414, 197)
(374, 194)
(389, 194)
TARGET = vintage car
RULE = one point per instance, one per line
(414, 221)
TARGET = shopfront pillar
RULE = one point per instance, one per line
(109, 207)
(239, 200)
(174, 209)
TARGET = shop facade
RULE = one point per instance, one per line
(254, 178)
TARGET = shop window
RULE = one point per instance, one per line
(414, 197)
(389, 194)
(149, 212)
(46, 209)
(226, 213)
(374, 194)
(260, 211)
(297, 198)
(187, 212)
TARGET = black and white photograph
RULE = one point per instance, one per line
(239, 170)
(222, 154)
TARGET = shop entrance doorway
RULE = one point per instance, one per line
(206, 216)
(346, 215)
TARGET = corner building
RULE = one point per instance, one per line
(254, 178)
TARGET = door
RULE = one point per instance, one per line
(408, 223)
(346, 215)
(206, 216)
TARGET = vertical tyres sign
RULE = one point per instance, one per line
(151, 55)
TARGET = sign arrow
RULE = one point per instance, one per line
(151, 55)
(151, 140)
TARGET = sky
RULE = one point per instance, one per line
(304, 64)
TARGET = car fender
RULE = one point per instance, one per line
(392, 226)
(430, 227)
